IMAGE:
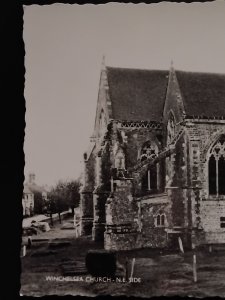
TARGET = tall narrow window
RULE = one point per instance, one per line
(145, 181)
(153, 177)
(216, 168)
(212, 175)
(149, 180)
(158, 220)
(221, 174)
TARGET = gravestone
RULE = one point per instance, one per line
(101, 263)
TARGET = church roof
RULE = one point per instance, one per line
(137, 95)
(203, 93)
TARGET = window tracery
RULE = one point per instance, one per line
(148, 150)
(149, 180)
(216, 168)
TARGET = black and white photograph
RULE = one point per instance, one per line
(124, 190)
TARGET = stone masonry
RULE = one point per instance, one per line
(156, 164)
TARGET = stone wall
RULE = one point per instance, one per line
(121, 205)
(206, 209)
(121, 217)
(120, 241)
(211, 220)
(151, 235)
(86, 195)
(135, 139)
(177, 182)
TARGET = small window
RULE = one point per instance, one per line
(160, 220)
(222, 222)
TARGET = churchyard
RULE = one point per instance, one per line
(55, 265)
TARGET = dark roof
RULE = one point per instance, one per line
(203, 93)
(137, 95)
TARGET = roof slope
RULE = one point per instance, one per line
(137, 95)
(203, 93)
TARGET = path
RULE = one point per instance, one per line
(39, 218)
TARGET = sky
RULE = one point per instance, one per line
(64, 47)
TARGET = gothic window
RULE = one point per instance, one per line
(216, 168)
(149, 180)
(148, 150)
(170, 129)
(160, 220)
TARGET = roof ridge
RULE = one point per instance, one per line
(165, 70)
(200, 73)
(137, 69)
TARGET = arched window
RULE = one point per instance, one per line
(170, 128)
(149, 180)
(216, 168)
(160, 220)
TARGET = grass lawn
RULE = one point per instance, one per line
(160, 273)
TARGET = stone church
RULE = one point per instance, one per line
(155, 169)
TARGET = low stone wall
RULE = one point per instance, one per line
(153, 238)
(215, 237)
(120, 241)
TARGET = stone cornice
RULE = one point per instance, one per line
(139, 124)
(205, 119)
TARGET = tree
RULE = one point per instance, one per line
(63, 196)
(54, 203)
(73, 194)
(38, 202)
